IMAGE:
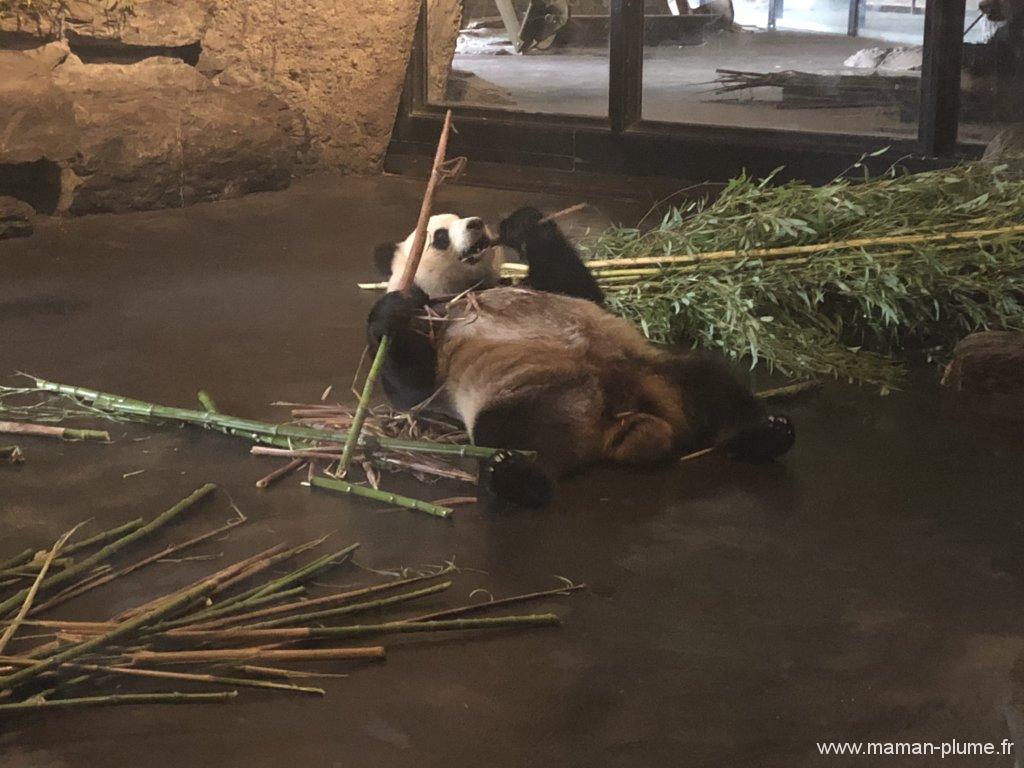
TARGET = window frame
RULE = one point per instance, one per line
(624, 142)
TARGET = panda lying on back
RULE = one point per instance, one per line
(559, 375)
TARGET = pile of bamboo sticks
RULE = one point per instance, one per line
(228, 625)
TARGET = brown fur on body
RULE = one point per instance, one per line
(575, 383)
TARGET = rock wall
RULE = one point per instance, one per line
(165, 102)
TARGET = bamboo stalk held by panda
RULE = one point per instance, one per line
(412, 263)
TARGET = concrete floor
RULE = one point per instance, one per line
(868, 587)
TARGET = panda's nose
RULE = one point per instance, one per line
(474, 224)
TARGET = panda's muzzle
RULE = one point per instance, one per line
(475, 252)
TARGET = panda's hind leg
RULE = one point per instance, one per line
(529, 422)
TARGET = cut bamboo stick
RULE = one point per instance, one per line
(118, 699)
(489, 604)
(283, 634)
(26, 606)
(292, 466)
(348, 610)
(334, 599)
(104, 536)
(222, 655)
(72, 572)
(394, 499)
(45, 430)
(87, 586)
(18, 560)
(122, 632)
(232, 573)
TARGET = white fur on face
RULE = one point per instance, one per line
(460, 266)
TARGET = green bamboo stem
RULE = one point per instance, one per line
(333, 613)
(356, 428)
(119, 699)
(288, 634)
(122, 632)
(11, 454)
(104, 536)
(343, 486)
(18, 560)
(256, 431)
(208, 403)
(72, 572)
(789, 390)
(339, 597)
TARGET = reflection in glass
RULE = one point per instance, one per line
(529, 55)
(992, 85)
(833, 66)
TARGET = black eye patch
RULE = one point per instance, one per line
(442, 241)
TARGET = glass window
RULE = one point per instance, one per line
(832, 66)
(548, 56)
(992, 84)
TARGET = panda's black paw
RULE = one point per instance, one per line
(764, 440)
(518, 479)
(520, 227)
(392, 312)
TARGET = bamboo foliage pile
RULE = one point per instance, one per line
(224, 627)
(841, 280)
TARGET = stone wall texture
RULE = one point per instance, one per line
(183, 100)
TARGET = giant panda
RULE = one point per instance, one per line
(459, 254)
(561, 376)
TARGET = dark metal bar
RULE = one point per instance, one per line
(853, 19)
(940, 76)
(625, 63)
(775, 8)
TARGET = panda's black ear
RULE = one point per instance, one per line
(383, 255)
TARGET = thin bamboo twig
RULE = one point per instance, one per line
(11, 454)
(123, 631)
(110, 549)
(222, 655)
(287, 674)
(44, 430)
(487, 605)
(564, 212)
(347, 610)
(292, 466)
(343, 486)
(208, 403)
(412, 263)
(263, 450)
(283, 634)
(318, 601)
(698, 454)
(118, 699)
(26, 606)
(87, 586)
(789, 390)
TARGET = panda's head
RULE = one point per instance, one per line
(458, 254)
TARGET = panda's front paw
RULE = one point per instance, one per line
(393, 312)
(520, 227)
